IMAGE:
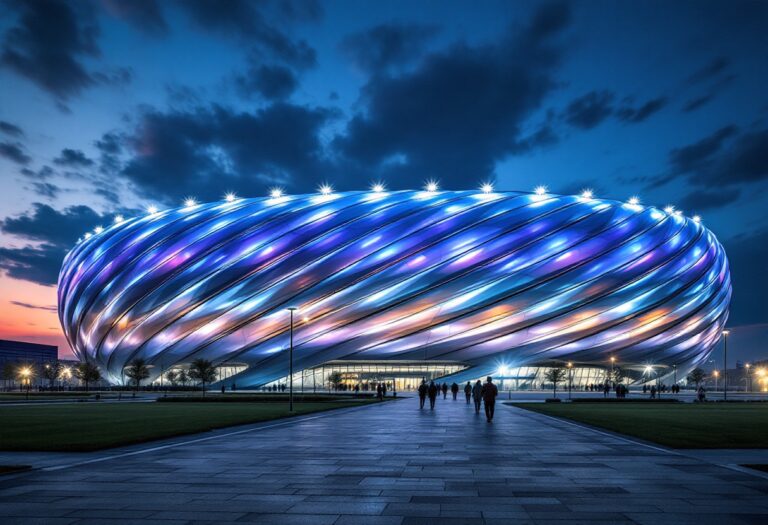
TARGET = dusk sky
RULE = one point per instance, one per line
(107, 107)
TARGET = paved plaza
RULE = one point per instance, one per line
(388, 464)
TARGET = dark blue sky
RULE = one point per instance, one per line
(107, 107)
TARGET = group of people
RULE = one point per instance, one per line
(481, 394)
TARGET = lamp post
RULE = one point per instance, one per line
(725, 364)
(716, 374)
(570, 380)
(25, 373)
(290, 357)
(749, 376)
(613, 361)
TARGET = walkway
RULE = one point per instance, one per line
(394, 464)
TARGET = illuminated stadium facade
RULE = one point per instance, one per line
(469, 283)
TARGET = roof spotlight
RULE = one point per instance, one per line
(98, 229)
(189, 202)
(587, 194)
(119, 219)
(696, 219)
(326, 189)
(487, 188)
(151, 209)
(634, 201)
(378, 188)
(276, 193)
(540, 190)
(431, 186)
(230, 197)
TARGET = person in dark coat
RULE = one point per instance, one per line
(477, 395)
(489, 398)
(383, 390)
(468, 391)
(432, 392)
(445, 390)
(454, 390)
(378, 391)
(422, 393)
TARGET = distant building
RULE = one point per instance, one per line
(15, 353)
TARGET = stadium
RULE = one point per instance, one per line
(397, 286)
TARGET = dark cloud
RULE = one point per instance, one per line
(38, 264)
(51, 308)
(210, 150)
(271, 82)
(145, 15)
(634, 115)
(459, 111)
(54, 232)
(46, 172)
(72, 158)
(46, 189)
(11, 130)
(14, 152)
(745, 161)
(387, 46)
(589, 110)
(693, 156)
(252, 23)
(697, 103)
(48, 43)
(747, 256)
(712, 69)
(704, 199)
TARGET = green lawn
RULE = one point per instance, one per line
(684, 425)
(95, 426)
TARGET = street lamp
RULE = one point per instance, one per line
(25, 373)
(290, 357)
(716, 374)
(725, 364)
(570, 379)
(613, 361)
(749, 376)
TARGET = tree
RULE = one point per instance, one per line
(9, 373)
(203, 371)
(555, 375)
(52, 371)
(617, 375)
(87, 373)
(336, 379)
(183, 377)
(172, 376)
(696, 376)
(137, 371)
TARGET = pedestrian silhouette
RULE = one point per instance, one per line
(432, 391)
(468, 391)
(422, 392)
(454, 390)
(477, 395)
(445, 390)
(489, 398)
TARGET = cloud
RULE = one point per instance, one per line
(387, 46)
(39, 264)
(271, 82)
(697, 103)
(71, 158)
(638, 114)
(144, 15)
(14, 152)
(746, 256)
(46, 189)
(704, 199)
(459, 111)
(693, 156)
(252, 23)
(587, 111)
(51, 308)
(209, 151)
(11, 130)
(53, 232)
(712, 69)
(48, 43)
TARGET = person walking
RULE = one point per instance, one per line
(454, 390)
(383, 390)
(378, 391)
(477, 395)
(468, 391)
(489, 398)
(432, 391)
(445, 390)
(422, 392)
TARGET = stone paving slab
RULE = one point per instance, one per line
(392, 464)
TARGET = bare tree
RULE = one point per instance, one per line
(172, 376)
(52, 371)
(696, 376)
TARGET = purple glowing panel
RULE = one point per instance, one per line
(503, 277)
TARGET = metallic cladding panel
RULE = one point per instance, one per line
(494, 278)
